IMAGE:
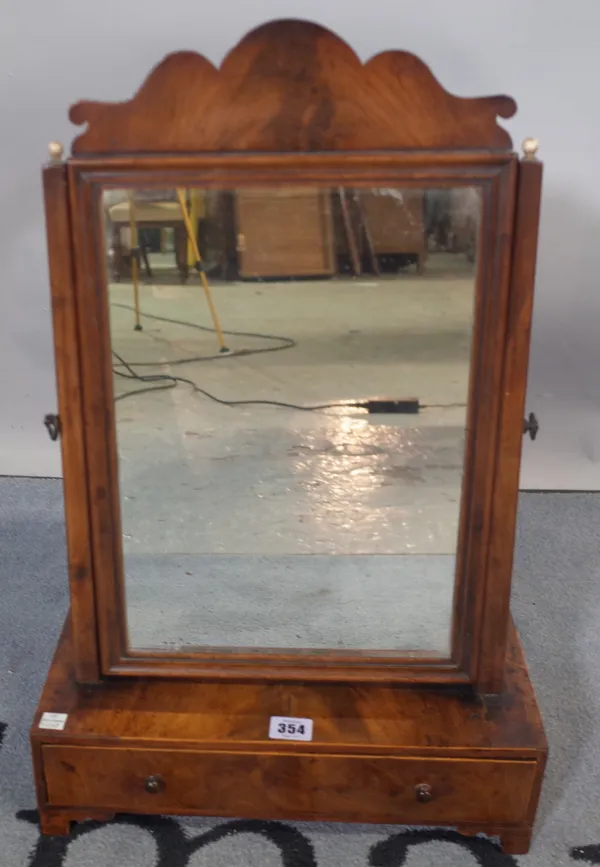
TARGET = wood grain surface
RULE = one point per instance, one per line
(206, 747)
(291, 86)
(74, 459)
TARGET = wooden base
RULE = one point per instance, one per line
(379, 754)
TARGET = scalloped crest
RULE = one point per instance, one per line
(291, 86)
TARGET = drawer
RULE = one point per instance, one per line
(280, 785)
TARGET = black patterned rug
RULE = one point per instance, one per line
(557, 609)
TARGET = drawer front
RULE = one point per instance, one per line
(272, 785)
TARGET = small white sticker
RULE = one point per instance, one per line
(55, 721)
(290, 728)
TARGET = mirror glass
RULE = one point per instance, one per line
(291, 369)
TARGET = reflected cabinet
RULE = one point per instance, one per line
(291, 300)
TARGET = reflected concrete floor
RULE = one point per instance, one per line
(203, 480)
(290, 601)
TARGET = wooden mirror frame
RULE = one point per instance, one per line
(290, 104)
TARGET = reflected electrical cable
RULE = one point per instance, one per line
(285, 342)
(167, 381)
(170, 381)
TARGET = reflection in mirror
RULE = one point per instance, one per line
(291, 371)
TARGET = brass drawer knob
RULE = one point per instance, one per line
(424, 793)
(154, 784)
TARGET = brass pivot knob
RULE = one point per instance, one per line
(154, 784)
(424, 793)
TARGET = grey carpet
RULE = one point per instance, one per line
(557, 608)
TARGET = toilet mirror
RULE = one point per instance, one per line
(292, 281)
